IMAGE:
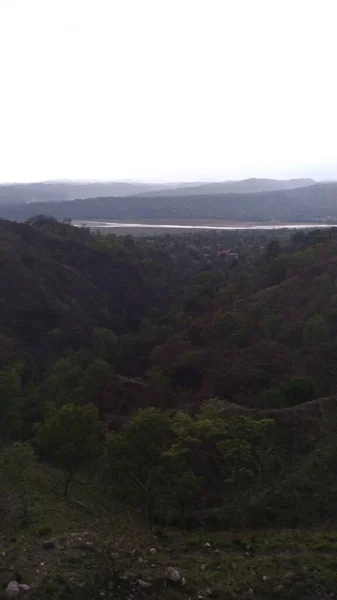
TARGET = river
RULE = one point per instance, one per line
(207, 226)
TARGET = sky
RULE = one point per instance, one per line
(174, 90)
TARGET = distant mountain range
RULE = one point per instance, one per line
(60, 191)
(246, 186)
(312, 203)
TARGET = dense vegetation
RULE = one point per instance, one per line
(305, 204)
(190, 379)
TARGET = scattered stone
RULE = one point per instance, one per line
(143, 584)
(48, 544)
(217, 551)
(12, 589)
(207, 545)
(174, 575)
(266, 578)
(86, 546)
(289, 576)
(24, 588)
(203, 567)
(300, 585)
(153, 550)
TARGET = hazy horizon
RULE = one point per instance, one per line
(190, 90)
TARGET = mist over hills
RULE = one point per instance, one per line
(64, 190)
(58, 191)
(313, 203)
(246, 186)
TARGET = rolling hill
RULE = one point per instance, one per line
(246, 186)
(312, 203)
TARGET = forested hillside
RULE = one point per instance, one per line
(189, 381)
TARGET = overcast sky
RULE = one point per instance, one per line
(167, 89)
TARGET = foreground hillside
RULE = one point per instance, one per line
(168, 408)
(85, 548)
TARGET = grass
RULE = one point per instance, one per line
(250, 564)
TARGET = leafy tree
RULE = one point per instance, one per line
(298, 390)
(133, 464)
(105, 344)
(62, 379)
(221, 450)
(10, 403)
(69, 438)
(290, 393)
(91, 385)
(16, 464)
(273, 325)
(316, 330)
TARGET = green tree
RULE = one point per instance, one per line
(290, 393)
(92, 383)
(105, 344)
(69, 438)
(10, 403)
(221, 450)
(16, 464)
(133, 460)
(316, 330)
(298, 390)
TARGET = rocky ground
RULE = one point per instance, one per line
(83, 548)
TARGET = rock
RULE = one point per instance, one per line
(143, 584)
(207, 545)
(300, 585)
(153, 550)
(203, 568)
(173, 575)
(183, 581)
(12, 589)
(289, 576)
(24, 588)
(48, 544)
(86, 546)
(217, 551)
